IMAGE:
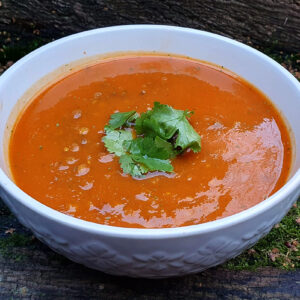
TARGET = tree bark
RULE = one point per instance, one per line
(273, 23)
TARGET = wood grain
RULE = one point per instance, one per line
(44, 276)
(273, 23)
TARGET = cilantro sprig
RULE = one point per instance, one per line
(163, 133)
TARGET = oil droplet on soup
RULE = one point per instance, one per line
(245, 156)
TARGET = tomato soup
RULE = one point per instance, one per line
(57, 155)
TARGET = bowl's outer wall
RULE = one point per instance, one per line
(129, 254)
(151, 258)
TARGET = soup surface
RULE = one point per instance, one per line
(57, 156)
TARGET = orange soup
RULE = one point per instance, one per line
(57, 155)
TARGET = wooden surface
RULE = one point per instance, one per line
(275, 23)
(30, 270)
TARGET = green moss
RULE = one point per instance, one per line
(288, 60)
(9, 246)
(280, 248)
(16, 51)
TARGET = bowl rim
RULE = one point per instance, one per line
(14, 191)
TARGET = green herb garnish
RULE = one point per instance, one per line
(167, 123)
(117, 120)
(163, 133)
(114, 140)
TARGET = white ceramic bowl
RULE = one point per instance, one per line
(149, 252)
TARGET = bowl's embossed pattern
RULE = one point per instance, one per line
(98, 254)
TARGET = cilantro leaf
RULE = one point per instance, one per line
(146, 154)
(187, 137)
(114, 139)
(129, 166)
(137, 165)
(167, 122)
(154, 164)
(151, 147)
(117, 120)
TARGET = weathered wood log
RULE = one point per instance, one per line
(44, 276)
(263, 22)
